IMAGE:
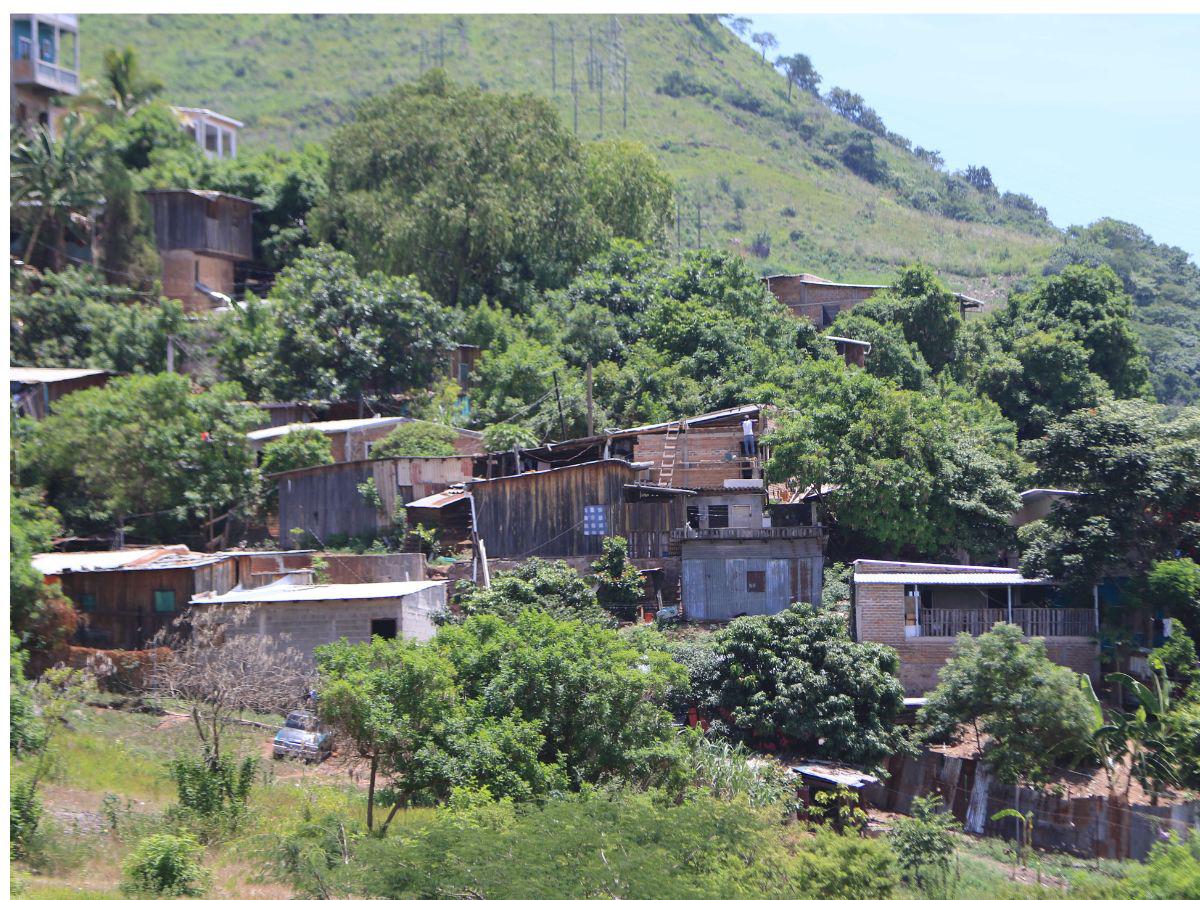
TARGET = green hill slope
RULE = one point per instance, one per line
(756, 172)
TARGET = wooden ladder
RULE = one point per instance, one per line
(666, 468)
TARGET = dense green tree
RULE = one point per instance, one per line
(628, 189)
(298, 449)
(416, 439)
(400, 708)
(477, 194)
(122, 87)
(32, 526)
(548, 585)
(917, 471)
(597, 697)
(798, 679)
(1023, 711)
(619, 584)
(892, 355)
(74, 319)
(127, 253)
(138, 139)
(146, 453)
(504, 437)
(1138, 470)
(799, 71)
(1173, 585)
(1092, 306)
(329, 333)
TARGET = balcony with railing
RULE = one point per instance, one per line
(45, 52)
(1048, 622)
(788, 533)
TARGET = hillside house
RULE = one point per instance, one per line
(35, 390)
(820, 300)
(920, 608)
(201, 236)
(43, 68)
(324, 502)
(352, 439)
(215, 134)
(854, 352)
(305, 616)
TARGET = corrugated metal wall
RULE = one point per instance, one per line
(716, 589)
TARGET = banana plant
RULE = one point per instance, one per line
(1141, 738)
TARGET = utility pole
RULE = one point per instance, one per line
(170, 353)
(600, 73)
(678, 229)
(590, 414)
(697, 223)
(574, 88)
(553, 62)
(624, 92)
(562, 422)
(591, 62)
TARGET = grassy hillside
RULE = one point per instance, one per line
(754, 170)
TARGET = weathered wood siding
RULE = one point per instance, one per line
(716, 588)
(187, 221)
(541, 513)
(324, 501)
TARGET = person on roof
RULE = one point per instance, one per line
(749, 444)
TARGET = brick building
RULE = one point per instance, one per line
(920, 608)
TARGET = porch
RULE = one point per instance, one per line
(1035, 622)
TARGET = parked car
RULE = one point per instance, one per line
(301, 736)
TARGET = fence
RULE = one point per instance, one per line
(1064, 622)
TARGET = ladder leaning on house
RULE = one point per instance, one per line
(666, 468)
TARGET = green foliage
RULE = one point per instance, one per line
(618, 582)
(914, 470)
(628, 189)
(26, 732)
(24, 815)
(492, 179)
(73, 319)
(1173, 585)
(502, 437)
(548, 585)
(629, 845)
(1023, 711)
(32, 526)
(1173, 870)
(215, 791)
(166, 865)
(799, 679)
(1138, 469)
(145, 449)
(1176, 658)
(924, 844)
(298, 449)
(415, 439)
(326, 332)
(125, 230)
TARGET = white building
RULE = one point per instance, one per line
(215, 133)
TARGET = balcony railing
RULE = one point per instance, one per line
(1062, 622)
(788, 533)
(34, 71)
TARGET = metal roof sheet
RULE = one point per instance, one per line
(299, 593)
(835, 774)
(947, 578)
(103, 560)
(437, 501)
(37, 375)
(267, 434)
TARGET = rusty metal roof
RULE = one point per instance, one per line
(437, 501)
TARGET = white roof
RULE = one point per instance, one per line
(208, 114)
(298, 593)
(947, 578)
(39, 376)
(269, 434)
(102, 560)
(1036, 493)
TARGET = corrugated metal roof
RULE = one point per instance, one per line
(103, 560)
(267, 434)
(36, 375)
(835, 774)
(437, 501)
(300, 593)
(947, 578)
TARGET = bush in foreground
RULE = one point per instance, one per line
(165, 865)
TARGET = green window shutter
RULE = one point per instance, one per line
(87, 602)
(164, 601)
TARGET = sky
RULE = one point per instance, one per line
(1090, 115)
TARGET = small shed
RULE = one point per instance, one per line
(305, 616)
(34, 389)
(818, 775)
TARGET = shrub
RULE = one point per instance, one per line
(165, 865)
(299, 449)
(760, 245)
(24, 815)
(924, 844)
(550, 585)
(618, 582)
(416, 439)
(214, 791)
(1173, 870)
(26, 732)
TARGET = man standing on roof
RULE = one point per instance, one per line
(749, 444)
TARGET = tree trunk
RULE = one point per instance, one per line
(31, 244)
(391, 815)
(371, 794)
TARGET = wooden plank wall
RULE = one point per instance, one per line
(185, 221)
(541, 513)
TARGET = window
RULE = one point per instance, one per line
(164, 601)
(594, 520)
(718, 516)
(384, 628)
(86, 602)
(464, 373)
(756, 581)
(211, 138)
(24, 48)
(693, 516)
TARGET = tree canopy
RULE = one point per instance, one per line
(416, 439)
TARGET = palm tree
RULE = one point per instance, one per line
(122, 89)
(54, 182)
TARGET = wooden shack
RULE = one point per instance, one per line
(353, 439)
(34, 390)
(200, 235)
(818, 299)
(325, 502)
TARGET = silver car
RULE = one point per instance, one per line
(301, 736)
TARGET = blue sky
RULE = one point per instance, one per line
(1089, 115)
